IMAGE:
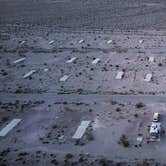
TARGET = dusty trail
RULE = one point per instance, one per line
(81, 98)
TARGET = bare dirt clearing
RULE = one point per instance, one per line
(62, 92)
(65, 62)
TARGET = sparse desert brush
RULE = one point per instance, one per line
(139, 105)
(68, 156)
(136, 115)
(4, 119)
(103, 162)
(89, 136)
(123, 141)
(118, 109)
(79, 90)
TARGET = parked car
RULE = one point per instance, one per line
(156, 117)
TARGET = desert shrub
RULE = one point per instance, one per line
(79, 90)
(89, 136)
(69, 156)
(136, 115)
(123, 141)
(118, 109)
(4, 119)
(145, 162)
(55, 162)
(139, 105)
(103, 162)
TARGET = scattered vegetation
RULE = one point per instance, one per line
(67, 109)
(139, 105)
(23, 154)
(3, 72)
(145, 162)
(118, 109)
(136, 115)
(79, 90)
(4, 119)
(55, 162)
(4, 153)
(27, 90)
(123, 141)
(103, 162)
(68, 156)
(89, 136)
(77, 142)
(160, 64)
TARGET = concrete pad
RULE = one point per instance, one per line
(95, 61)
(64, 78)
(81, 130)
(22, 42)
(148, 77)
(9, 127)
(51, 42)
(71, 60)
(29, 74)
(141, 41)
(45, 69)
(119, 75)
(151, 59)
(19, 60)
(109, 41)
(81, 41)
(61, 137)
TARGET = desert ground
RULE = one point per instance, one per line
(74, 51)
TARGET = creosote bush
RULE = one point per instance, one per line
(89, 136)
(118, 109)
(69, 156)
(123, 141)
(139, 105)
